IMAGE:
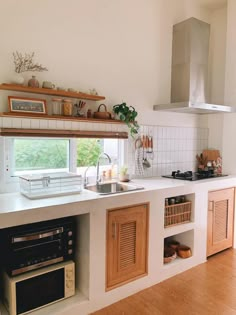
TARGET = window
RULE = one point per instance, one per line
(89, 150)
(32, 155)
(43, 155)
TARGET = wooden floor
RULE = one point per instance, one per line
(209, 288)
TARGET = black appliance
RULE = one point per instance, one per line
(193, 176)
(36, 245)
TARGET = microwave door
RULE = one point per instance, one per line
(40, 290)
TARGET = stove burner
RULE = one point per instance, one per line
(184, 175)
(192, 176)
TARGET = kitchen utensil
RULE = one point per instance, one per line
(102, 115)
(211, 155)
(139, 157)
(202, 160)
(79, 107)
(150, 147)
(146, 163)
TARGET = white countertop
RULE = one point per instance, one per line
(15, 203)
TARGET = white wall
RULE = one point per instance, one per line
(223, 128)
(121, 48)
(217, 64)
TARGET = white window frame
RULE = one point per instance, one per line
(6, 156)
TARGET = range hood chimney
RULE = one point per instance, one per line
(190, 48)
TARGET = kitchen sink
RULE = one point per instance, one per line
(112, 188)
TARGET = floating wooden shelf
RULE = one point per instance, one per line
(20, 132)
(21, 88)
(56, 117)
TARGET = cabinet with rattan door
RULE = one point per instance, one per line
(220, 220)
(127, 243)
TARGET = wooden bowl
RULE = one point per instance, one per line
(184, 251)
(173, 244)
(169, 255)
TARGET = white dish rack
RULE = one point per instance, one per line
(50, 185)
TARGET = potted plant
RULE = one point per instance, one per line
(124, 175)
(127, 114)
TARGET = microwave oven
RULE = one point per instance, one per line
(36, 289)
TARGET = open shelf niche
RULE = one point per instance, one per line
(185, 238)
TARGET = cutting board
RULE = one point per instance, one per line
(211, 155)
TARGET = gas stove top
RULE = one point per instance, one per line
(192, 176)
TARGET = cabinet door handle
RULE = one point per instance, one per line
(114, 230)
(211, 205)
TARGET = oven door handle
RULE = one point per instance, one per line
(31, 237)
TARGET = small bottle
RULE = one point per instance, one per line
(109, 174)
(89, 113)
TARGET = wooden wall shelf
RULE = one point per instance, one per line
(20, 132)
(56, 117)
(53, 92)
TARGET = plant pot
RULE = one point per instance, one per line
(124, 177)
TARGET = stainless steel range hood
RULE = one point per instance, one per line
(190, 48)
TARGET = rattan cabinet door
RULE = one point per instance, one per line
(127, 238)
(220, 220)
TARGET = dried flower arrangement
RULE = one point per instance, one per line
(25, 63)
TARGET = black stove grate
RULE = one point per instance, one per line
(192, 176)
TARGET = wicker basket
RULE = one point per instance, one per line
(177, 214)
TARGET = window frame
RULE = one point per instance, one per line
(8, 156)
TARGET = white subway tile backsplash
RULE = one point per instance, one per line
(60, 124)
(25, 123)
(43, 124)
(68, 125)
(174, 148)
(7, 122)
(16, 122)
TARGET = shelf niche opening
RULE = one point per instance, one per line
(184, 238)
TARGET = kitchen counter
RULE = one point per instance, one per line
(90, 210)
(15, 209)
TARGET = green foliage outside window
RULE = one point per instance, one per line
(40, 154)
(88, 151)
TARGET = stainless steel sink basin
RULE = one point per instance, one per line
(112, 188)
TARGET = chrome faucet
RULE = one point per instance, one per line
(98, 165)
(85, 177)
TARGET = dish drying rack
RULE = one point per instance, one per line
(50, 185)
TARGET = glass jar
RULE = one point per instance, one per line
(67, 107)
(56, 106)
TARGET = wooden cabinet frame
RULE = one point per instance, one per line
(126, 244)
(220, 220)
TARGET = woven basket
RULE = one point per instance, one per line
(177, 214)
(102, 115)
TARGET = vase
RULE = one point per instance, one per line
(33, 82)
(17, 78)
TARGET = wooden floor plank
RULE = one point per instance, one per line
(208, 289)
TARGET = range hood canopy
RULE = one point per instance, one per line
(190, 48)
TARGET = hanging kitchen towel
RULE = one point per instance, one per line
(138, 157)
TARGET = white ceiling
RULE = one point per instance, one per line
(213, 4)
